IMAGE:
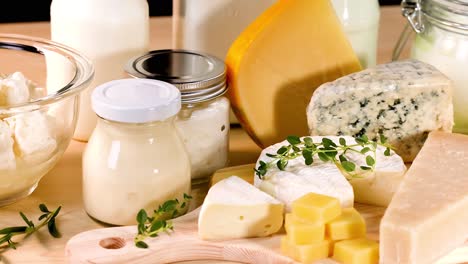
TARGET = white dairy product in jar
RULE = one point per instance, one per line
(106, 31)
(135, 158)
(360, 19)
(203, 122)
(204, 129)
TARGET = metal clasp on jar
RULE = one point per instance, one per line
(411, 9)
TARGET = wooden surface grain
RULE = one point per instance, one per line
(62, 186)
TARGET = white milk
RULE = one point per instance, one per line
(109, 32)
(360, 19)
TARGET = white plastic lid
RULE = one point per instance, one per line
(136, 100)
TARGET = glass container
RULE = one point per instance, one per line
(203, 122)
(135, 158)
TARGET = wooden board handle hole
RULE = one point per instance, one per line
(112, 243)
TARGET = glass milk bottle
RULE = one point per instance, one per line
(360, 19)
(109, 32)
(211, 26)
(441, 28)
(135, 158)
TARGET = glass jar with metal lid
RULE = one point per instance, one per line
(203, 121)
(441, 28)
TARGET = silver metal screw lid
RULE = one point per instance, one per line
(200, 77)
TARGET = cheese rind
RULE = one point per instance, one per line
(276, 63)
(234, 208)
(376, 188)
(428, 215)
(402, 100)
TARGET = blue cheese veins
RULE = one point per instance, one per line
(403, 100)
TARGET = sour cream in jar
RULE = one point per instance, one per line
(203, 122)
(135, 158)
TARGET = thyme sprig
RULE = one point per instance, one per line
(46, 219)
(327, 151)
(158, 222)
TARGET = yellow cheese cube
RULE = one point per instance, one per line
(357, 251)
(350, 224)
(315, 207)
(305, 253)
(301, 232)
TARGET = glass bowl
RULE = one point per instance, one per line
(38, 109)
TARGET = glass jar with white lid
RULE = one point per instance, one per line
(441, 40)
(134, 159)
(203, 121)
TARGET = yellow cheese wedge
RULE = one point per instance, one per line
(301, 232)
(357, 251)
(245, 172)
(305, 253)
(315, 207)
(275, 65)
(350, 224)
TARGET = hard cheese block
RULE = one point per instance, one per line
(357, 251)
(350, 224)
(279, 60)
(428, 216)
(315, 207)
(305, 253)
(245, 172)
(234, 208)
(302, 232)
(376, 188)
(402, 100)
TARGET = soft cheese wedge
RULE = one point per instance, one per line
(279, 60)
(428, 216)
(233, 208)
(402, 100)
(325, 178)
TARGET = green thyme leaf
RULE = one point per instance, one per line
(282, 150)
(383, 139)
(141, 244)
(142, 216)
(323, 157)
(387, 152)
(348, 166)
(365, 150)
(370, 161)
(365, 168)
(293, 140)
(342, 141)
(308, 141)
(282, 164)
(48, 218)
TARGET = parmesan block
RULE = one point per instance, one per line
(234, 209)
(279, 60)
(428, 216)
(402, 100)
(298, 179)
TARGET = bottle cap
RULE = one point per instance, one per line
(136, 100)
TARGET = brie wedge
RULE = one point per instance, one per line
(234, 209)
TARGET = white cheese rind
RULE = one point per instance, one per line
(376, 188)
(428, 215)
(233, 208)
(404, 100)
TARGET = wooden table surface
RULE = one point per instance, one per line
(62, 186)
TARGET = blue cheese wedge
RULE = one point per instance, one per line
(233, 208)
(371, 187)
(403, 100)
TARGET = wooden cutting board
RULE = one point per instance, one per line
(115, 245)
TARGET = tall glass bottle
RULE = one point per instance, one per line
(109, 32)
